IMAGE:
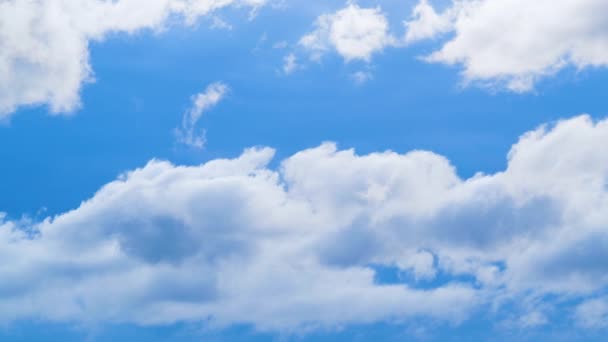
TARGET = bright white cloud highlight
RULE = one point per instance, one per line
(44, 56)
(426, 23)
(353, 32)
(515, 43)
(235, 241)
(201, 103)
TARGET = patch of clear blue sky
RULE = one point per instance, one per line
(478, 328)
(144, 84)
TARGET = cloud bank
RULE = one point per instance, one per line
(515, 43)
(297, 247)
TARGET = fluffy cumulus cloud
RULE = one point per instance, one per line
(426, 23)
(514, 43)
(201, 103)
(44, 57)
(297, 247)
(353, 32)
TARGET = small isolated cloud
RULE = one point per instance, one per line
(361, 77)
(353, 32)
(280, 44)
(290, 64)
(219, 23)
(201, 103)
(515, 43)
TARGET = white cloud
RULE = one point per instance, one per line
(44, 57)
(426, 23)
(219, 23)
(290, 248)
(593, 313)
(515, 43)
(290, 64)
(201, 103)
(361, 77)
(353, 32)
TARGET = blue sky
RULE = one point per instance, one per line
(494, 232)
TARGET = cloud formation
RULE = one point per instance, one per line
(235, 241)
(593, 313)
(515, 43)
(201, 103)
(290, 64)
(44, 56)
(353, 32)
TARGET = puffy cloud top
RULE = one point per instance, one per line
(515, 42)
(354, 32)
(296, 247)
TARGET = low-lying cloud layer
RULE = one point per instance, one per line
(234, 241)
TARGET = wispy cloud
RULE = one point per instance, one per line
(290, 64)
(201, 103)
(361, 77)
